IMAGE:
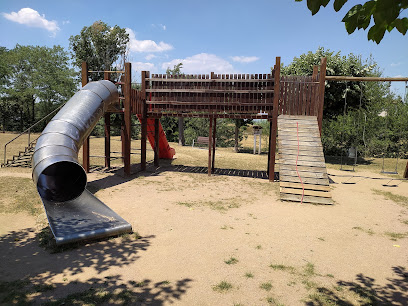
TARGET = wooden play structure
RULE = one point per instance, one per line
(293, 105)
(237, 96)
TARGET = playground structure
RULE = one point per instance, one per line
(297, 109)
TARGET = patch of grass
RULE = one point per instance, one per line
(43, 287)
(330, 275)
(309, 270)
(395, 236)
(369, 231)
(220, 205)
(266, 286)
(249, 275)
(231, 261)
(225, 227)
(321, 239)
(222, 287)
(19, 195)
(273, 301)
(14, 292)
(138, 284)
(309, 284)
(18, 292)
(320, 298)
(398, 199)
(404, 222)
(258, 247)
(289, 269)
(130, 236)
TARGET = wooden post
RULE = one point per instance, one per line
(314, 93)
(85, 146)
(144, 124)
(156, 142)
(272, 143)
(322, 79)
(210, 145)
(127, 129)
(406, 171)
(214, 144)
(107, 132)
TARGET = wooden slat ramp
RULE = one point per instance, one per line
(311, 167)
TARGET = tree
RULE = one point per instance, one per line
(239, 123)
(385, 14)
(177, 71)
(39, 79)
(100, 45)
(350, 65)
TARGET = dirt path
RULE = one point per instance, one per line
(201, 235)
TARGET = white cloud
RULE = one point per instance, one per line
(161, 26)
(396, 64)
(146, 45)
(202, 63)
(32, 18)
(64, 22)
(149, 57)
(245, 59)
(140, 66)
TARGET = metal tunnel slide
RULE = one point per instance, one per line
(73, 212)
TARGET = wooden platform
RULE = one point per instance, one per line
(311, 167)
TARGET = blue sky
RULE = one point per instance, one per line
(222, 36)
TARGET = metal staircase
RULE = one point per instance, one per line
(23, 158)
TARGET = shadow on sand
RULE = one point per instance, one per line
(31, 275)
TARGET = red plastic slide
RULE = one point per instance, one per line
(165, 151)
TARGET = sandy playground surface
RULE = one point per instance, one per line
(221, 240)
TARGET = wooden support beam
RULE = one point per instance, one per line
(365, 79)
(210, 145)
(322, 78)
(272, 143)
(406, 171)
(214, 144)
(314, 93)
(85, 146)
(127, 130)
(107, 130)
(143, 137)
(156, 142)
(107, 140)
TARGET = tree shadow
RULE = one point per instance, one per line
(338, 160)
(366, 291)
(29, 272)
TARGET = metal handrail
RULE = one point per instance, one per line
(29, 131)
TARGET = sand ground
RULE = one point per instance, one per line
(201, 235)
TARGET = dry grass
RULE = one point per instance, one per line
(18, 195)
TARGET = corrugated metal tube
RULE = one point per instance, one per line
(56, 171)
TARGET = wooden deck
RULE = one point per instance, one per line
(300, 147)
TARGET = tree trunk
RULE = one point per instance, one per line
(181, 131)
(236, 146)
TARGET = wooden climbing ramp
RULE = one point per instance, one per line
(302, 169)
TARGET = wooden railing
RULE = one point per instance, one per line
(299, 95)
(203, 94)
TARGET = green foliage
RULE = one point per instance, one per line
(337, 64)
(176, 69)
(36, 81)
(385, 14)
(100, 45)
